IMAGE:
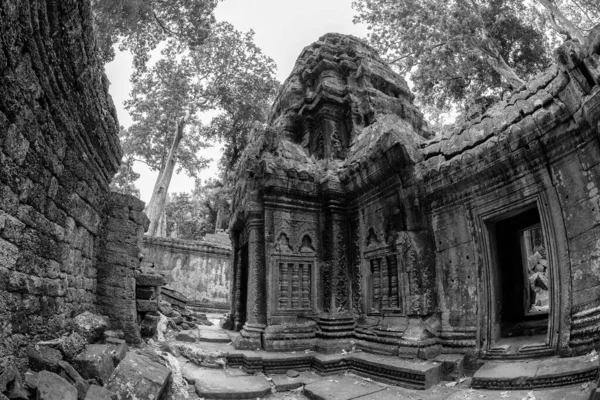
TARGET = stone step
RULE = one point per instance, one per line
(414, 374)
(220, 384)
(539, 373)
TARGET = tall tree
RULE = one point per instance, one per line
(141, 25)
(227, 75)
(456, 50)
(570, 18)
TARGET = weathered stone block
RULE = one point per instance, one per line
(148, 325)
(138, 377)
(43, 358)
(53, 387)
(73, 377)
(90, 326)
(99, 393)
(11, 381)
(150, 280)
(145, 292)
(96, 361)
(147, 305)
(118, 349)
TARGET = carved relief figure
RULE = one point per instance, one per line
(337, 149)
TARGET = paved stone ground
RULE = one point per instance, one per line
(233, 383)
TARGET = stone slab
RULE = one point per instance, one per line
(205, 335)
(95, 361)
(574, 392)
(344, 387)
(284, 383)
(218, 384)
(551, 372)
(52, 387)
(150, 280)
(147, 305)
(99, 393)
(433, 393)
(138, 377)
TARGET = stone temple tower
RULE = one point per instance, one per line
(351, 226)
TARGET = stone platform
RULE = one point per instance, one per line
(540, 373)
(415, 374)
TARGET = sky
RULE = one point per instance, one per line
(282, 29)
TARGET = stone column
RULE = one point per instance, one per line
(256, 306)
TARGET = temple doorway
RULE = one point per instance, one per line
(522, 285)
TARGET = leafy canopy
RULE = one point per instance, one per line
(228, 76)
(141, 25)
(450, 47)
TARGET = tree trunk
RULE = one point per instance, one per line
(492, 56)
(565, 23)
(500, 66)
(156, 207)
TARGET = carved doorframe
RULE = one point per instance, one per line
(559, 266)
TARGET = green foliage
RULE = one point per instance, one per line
(191, 216)
(141, 25)
(227, 75)
(448, 46)
(124, 180)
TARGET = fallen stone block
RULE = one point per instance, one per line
(150, 279)
(90, 326)
(43, 358)
(95, 362)
(148, 325)
(69, 346)
(73, 377)
(118, 349)
(52, 387)
(145, 292)
(146, 305)
(72, 345)
(186, 336)
(31, 379)
(99, 393)
(165, 308)
(11, 382)
(175, 298)
(113, 334)
(139, 377)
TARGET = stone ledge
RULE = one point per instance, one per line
(392, 370)
(550, 372)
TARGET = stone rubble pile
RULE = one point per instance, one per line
(90, 363)
(174, 306)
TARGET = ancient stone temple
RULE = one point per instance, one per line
(353, 227)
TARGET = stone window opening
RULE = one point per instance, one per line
(384, 286)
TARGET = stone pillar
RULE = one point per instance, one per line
(256, 305)
(336, 229)
(118, 258)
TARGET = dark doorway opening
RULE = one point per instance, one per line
(523, 280)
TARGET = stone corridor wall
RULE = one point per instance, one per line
(58, 152)
(200, 270)
(118, 260)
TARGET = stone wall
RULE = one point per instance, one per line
(201, 270)
(118, 262)
(58, 152)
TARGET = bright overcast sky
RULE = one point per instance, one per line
(283, 28)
